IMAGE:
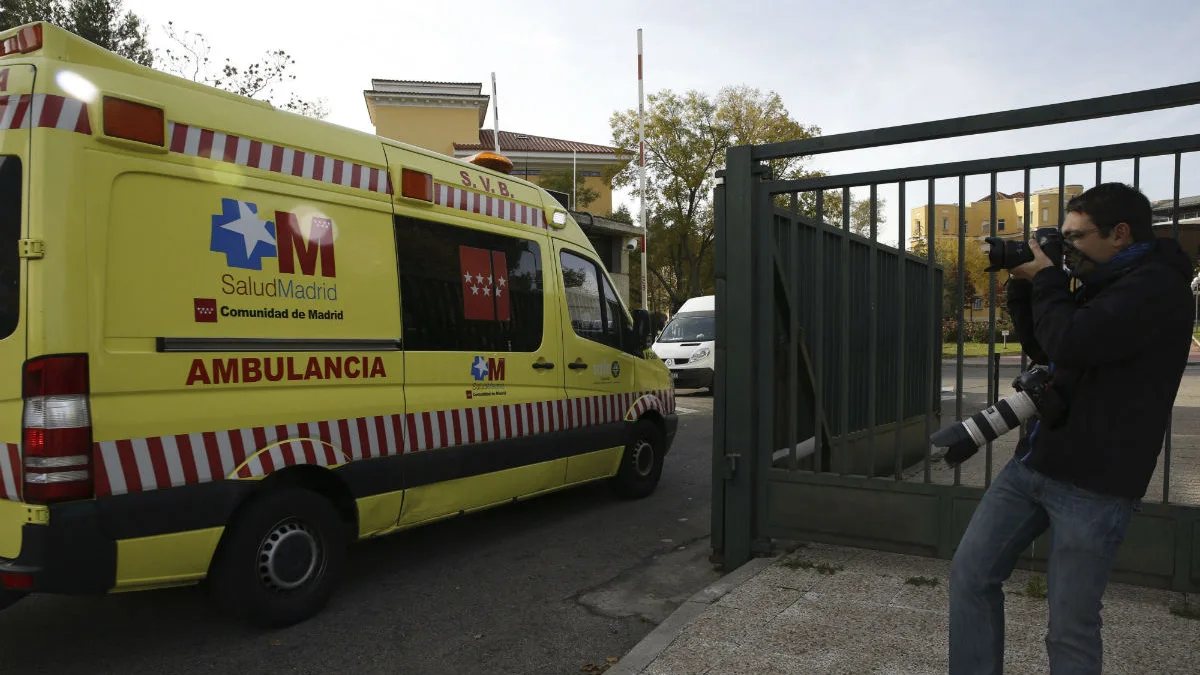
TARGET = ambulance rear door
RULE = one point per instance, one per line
(17, 111)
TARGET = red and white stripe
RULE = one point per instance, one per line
(291, 453)
(140, 465)
(10, 471)
(487, 205)
(24, 111)
(220, 147)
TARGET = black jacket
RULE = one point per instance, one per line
(1118, 349)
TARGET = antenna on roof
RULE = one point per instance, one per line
(495, 115)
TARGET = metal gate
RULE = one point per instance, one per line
(829, 354)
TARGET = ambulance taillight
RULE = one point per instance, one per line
(57, 430)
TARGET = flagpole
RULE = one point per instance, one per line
(574, 202)
(495, 115)
(642, 171)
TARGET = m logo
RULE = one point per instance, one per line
(245, 239)
(488, 369)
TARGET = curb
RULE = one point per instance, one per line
(651, 646)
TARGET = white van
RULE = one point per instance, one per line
(687, 342)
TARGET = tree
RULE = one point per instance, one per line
(191, 59)
(621, 215)
(99, 21)
(686, 139)
(560, 180)
(860, 215)
(976, 281)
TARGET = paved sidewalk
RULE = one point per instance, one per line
(832, 610)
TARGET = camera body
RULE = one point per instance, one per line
(1034, 395)
(631, 244)
(1005, 254)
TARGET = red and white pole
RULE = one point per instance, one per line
(642, 171)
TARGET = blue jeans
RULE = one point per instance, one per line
(1086, 529)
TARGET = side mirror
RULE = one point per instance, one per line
(641, 328)
(659, 323)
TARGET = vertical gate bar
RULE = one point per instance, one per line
(900, 320)
(793, 282)
(819, 340)
(734, 425)
(933, 322)
(765, 367)
(1137, 172)
(1028, 231)
(873, 339)
(962, 291)
(844, 441)
(1062, 194)
(992, 361)
(718, 457)
(1099, 171)
(1170, 418)
(1025, 219)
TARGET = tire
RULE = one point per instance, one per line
(271, 585)
(640, 472)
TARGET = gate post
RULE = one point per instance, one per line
(734, 419)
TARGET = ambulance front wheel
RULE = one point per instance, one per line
(642, 461)
(281, 558)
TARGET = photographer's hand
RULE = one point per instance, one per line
(1030, 269)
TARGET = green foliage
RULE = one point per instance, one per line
(560, 180)
(686, 139)
(100, 21)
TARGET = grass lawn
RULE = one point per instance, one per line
(950, 349)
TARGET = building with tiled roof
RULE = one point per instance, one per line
(448, 117)
(1010, 216)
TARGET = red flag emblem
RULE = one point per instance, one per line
(485, 284)
(205, 310)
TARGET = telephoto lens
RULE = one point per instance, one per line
(963, 439)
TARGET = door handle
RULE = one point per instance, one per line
(577, 365)
(543, 365)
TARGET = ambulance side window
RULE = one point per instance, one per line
(10, 235)
(592, 316)
(465, 290)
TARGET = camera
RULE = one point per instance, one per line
(632, 244)
(1035, 395)
(1005, 254)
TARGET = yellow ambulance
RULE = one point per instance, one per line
(238, 339)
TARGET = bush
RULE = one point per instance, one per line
(974, 331)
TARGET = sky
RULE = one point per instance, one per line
(563, 68)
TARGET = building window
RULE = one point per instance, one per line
(466, 290)
(1020, 221)
(984, 228)
(1000, 225)
(945, 224)
(1045, 215)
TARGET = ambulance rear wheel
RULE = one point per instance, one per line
(281, 559)
(641, 463)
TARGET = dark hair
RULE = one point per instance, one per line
(1110, 204)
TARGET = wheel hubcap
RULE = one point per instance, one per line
(643, 457)
(288, 556)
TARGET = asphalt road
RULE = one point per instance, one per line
(546, 586)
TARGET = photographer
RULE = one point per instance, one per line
(1117, 348)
